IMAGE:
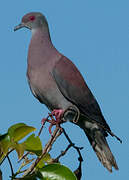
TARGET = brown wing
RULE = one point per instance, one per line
(73, 87)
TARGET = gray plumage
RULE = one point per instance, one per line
(56, 82)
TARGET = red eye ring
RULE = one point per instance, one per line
(32, 18)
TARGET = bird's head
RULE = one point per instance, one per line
(32, 21)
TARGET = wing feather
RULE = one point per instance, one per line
(72, 85)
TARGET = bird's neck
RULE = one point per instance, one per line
(41, 35)
(41, 48)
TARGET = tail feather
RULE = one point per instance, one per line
(97, 138)
(98, 141)
(103, 151)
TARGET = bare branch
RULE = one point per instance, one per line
(47, 148)
(62, 153)
(6, 156)
(41, 129)
(0, 175)
(11, 167)
(78, 171)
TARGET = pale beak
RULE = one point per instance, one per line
(21, 25)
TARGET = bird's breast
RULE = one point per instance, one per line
(44, 88)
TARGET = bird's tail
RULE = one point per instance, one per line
(98, 141)
(97, 137)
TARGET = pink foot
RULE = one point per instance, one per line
(57, 113)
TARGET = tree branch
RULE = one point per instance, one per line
(47, 148)
(40, 131)
(11, 167)
(62, 153)
(0, 175)
(6, 156)
(78, 171)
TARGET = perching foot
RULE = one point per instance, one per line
(57, 113)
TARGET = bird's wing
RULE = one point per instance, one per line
(72, 85)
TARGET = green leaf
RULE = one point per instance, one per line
(45, 159)
(40, 164)
(33, 144)
(15, 126)
(19, 131)
(2, 136)
(4, 145)
(20, 148)
(56, 172)
(10, 139)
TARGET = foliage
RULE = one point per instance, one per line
(30, 151)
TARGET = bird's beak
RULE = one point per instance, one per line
(21, 25)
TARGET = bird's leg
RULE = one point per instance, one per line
(51, 121)
(57, 113)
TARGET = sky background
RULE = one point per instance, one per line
(95, 36)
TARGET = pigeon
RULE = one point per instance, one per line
(56, 82)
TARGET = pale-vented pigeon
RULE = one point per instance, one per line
(56, 82)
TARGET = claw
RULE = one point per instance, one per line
(43, 121)
(58, 115)
(50, 127)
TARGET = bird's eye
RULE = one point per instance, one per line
(32, 18)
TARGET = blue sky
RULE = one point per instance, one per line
(95, 36)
